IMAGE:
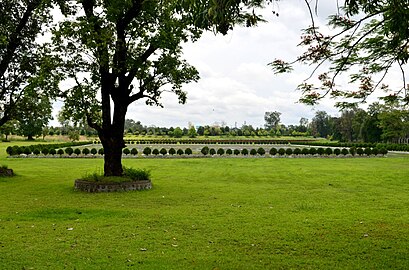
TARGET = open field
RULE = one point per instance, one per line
(209, 214)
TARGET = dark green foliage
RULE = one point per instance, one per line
(77, 151)
(273, 151)
(352, 150)
(305, 151)
(253, 152)
(220, 151)
(134, 151)
(36, 151)
(236, 152)
(375, 151)
(60, 152)
(136, 174)
(101, 151)
(337, 151)
(212, 152)
(229, 151)
(94, 151)
(147, 151)
(45, 151)
(313, 151)
(163, 151)
(360, 151)
(53, 151)
(281, 151)
(27, 151)
(261, 151)
(205, 150)
(172, 151)
(85, 151)
(69, 151)
(288, 151)
(297, 151)
(180, 152)
(368, 151)
(188, 151)
(9, 150)
(344, 151)
(126, 151)
(155, 152)
(245, 152)
(320, 151)
(383, 151)
(328, 151)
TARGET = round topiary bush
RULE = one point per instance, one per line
(163, 151)
(85, 151)
(320, 151)
(236, 152)
(101, 151)
(253, 152)
(220, 151)
(188, 151)
(344, 151)
(126, 151)
(297, 151)
(281, 151)
(172, 151)
(375, 151)
(368, 151)
(305, 151)
(212, 152)
(288, 151)
(244, 152)
(27, 151)
(328, 151)
(205, 150)
(53, 151)
(313, 151)
(383, 151)
(94, 151)
(360, 151)
(69, 151)
(180, 152)
(45, 151)
(60, 152)
(352, 150)
(134, 151)
(273, 151)
(229, 152)
(77, 151)
(147, 151)
(155, 152)
(261, 151)
(337, 151)
(36, 151)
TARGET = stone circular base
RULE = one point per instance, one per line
(112, 187)
(6, 172)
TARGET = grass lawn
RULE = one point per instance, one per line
(209, 214)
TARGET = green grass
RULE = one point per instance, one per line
(209, 214)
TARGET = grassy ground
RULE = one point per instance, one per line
(209, 214)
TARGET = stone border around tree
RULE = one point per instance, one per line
(96, 187)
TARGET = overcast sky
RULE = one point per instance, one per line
(236, 85)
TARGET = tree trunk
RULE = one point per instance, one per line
(112, 155)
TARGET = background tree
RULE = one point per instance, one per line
(272, 119)
(321, 124)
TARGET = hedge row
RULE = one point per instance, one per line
(39, 148)
(387, 146)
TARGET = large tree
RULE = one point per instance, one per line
(25, 64)
(370, 40)
(121, 51)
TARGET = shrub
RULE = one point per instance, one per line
(163, 151)
(36, 151)
(27, 151)
(134, 151)
(205, 150)
(188, 151)
(180, 152)
(273, 151)
(281, 151)
(375, 151)
(236, 152)
(155, 152)
(320, 151)
(297, 151)
(383, 151)
(94, 151)
(261, 151)
(220, 151)
(229, 152)
(212, 152)
(337, 151)
(305, 151)
(69, 151)
(147, 151)
(368, 151)
(359, 151)
(352, 150)
(136, 174)
(101, 151)
(245, 152)
(53, 151)
(60, 152)
(328, 151)
(288, 151)
(85, 151)
(172, 151)
(126, 151)
(344, 151)
(313, 151)
(45, 151)
(77, 151)
(9, 150)
(253, 152)
(20, 150)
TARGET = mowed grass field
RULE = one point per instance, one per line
(209, 214)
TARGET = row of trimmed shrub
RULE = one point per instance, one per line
(39, 148)
(387, 146)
